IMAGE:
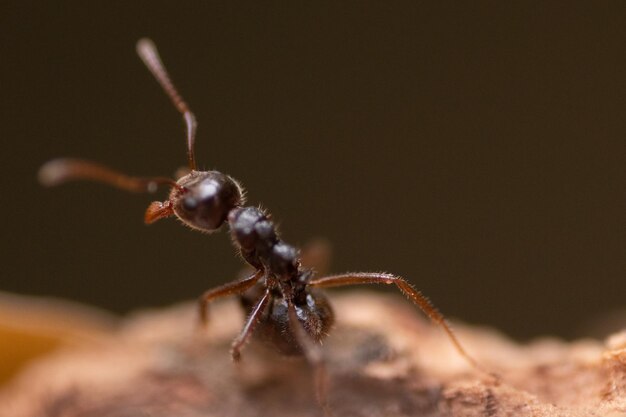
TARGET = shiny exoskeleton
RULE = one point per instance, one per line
(204, 201)
(255, 235)
(281, 298)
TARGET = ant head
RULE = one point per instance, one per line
(202, 200)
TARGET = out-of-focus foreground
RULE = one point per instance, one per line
(383, 359)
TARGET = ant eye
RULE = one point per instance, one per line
(190, 203)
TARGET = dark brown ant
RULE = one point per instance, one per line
(281, 297)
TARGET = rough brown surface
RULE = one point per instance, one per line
(384, 360)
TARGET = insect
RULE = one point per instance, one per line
(283, 299)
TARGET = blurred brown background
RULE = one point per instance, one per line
(477, 150)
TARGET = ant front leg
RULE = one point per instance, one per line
(248, 328)
(313, 354)
(383, 278)
(225, 290)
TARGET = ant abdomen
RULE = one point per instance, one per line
(274, 330)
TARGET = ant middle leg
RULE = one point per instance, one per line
(225, 290)
(407, 289)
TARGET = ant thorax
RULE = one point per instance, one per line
(260, 245)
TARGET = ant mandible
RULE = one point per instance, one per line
(288, 312)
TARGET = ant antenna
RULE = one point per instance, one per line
(61, 170)
(150, 56)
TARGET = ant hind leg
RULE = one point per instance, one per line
(407, 289)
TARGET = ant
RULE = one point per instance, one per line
(281, 297)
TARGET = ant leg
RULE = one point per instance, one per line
(248, 328)
(383, 278)
(312, 353)
(225, 290)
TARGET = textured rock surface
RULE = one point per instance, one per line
(384, 359)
